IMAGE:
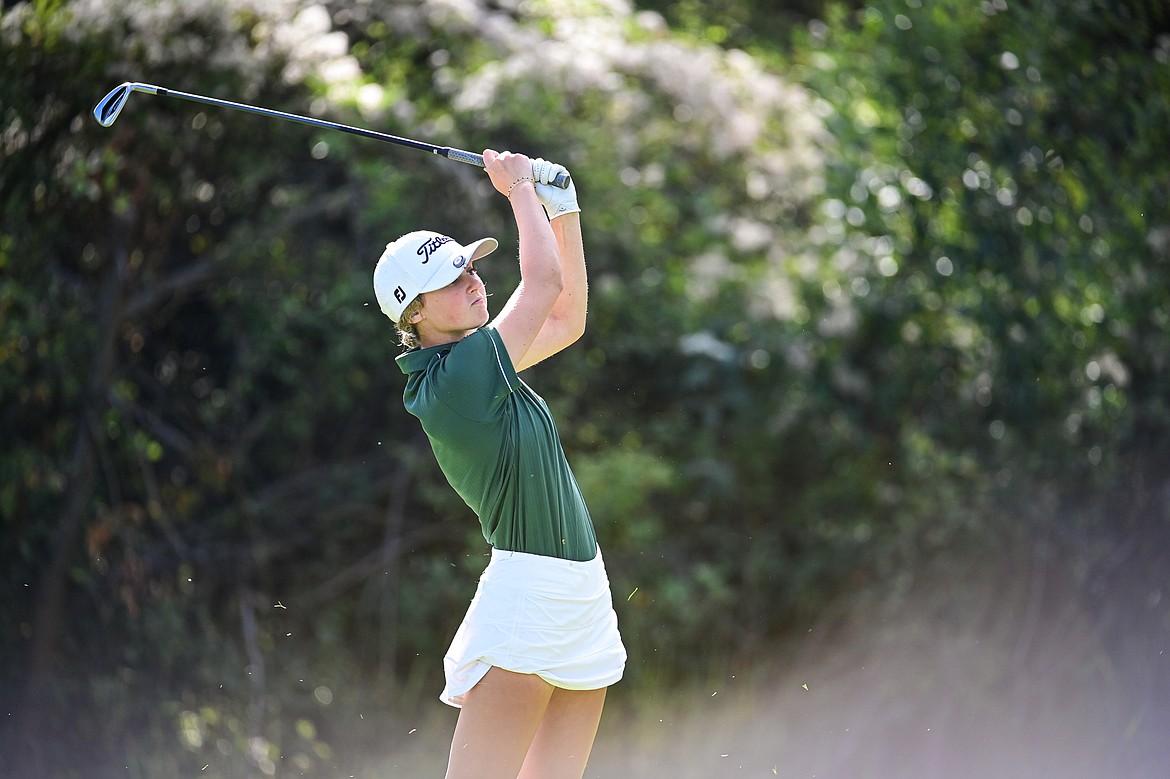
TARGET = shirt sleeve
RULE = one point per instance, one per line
(477, 375)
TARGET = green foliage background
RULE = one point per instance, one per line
(874, 286)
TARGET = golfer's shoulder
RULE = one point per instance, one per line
(478, 360)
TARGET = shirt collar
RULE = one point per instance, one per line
(418, 359)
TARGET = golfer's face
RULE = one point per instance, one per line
(453, 311)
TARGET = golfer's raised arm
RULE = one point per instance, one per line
(566, 322)
(541, 279)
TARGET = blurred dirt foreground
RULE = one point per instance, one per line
(988, 670)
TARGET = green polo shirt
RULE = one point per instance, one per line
(498, 446)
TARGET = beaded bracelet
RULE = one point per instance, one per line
(517, 183)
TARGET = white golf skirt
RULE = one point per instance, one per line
(538, 615)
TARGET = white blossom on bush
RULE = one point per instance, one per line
(246, 38)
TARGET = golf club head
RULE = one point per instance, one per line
(108, 108)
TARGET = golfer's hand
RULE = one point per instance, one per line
(509, 173)
(556, 201)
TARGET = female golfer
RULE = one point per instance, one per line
(530, 664)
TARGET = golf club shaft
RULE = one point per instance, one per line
(107, 110)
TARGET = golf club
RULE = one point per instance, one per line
(108, 108)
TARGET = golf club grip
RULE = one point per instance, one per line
(471, 158)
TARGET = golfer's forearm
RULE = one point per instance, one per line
(539, 260)
(573, 302)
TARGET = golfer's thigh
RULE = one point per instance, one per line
(499, 718)
(561, 747)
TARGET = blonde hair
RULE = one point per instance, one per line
(407, 330)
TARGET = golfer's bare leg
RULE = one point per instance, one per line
(499, 718)
(564, 740)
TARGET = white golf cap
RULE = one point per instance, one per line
(419, 262)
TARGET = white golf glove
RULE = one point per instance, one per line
(556, 201)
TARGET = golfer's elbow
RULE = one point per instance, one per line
(551, 280)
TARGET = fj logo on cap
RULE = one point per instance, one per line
(400, 294)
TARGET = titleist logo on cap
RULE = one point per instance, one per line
(429, 247)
